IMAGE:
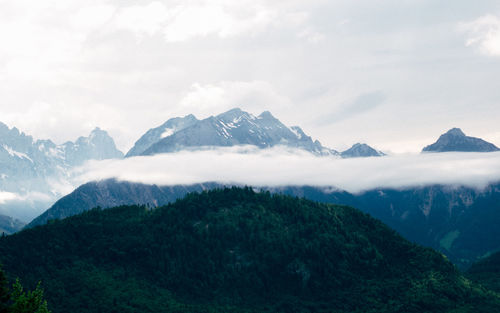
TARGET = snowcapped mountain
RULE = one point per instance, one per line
(361, 150)
(154, 135)
(456, 140)
(97, 146)
(32, 172)
(234, 127)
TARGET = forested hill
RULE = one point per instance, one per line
(487, 272)
(234, 250)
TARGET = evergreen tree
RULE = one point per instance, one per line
(19, 301)
(29, 301)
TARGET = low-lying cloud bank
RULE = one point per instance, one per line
(280, 166)
(24, 206)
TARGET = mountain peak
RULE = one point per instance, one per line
(234, 111)
(97, 146)
(98, 133)
(455, 132)
(231, 128)
(266, 115)
(233, 114)
(361, 150)
(456, 140)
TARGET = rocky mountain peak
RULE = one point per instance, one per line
(456, 140)
(361, 150)
(455, 132)
(234, 127)
(266, 115)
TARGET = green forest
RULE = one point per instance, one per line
(234, 250)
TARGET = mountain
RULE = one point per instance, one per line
(9, 225)
(111, 193)
(97, 146)
(361, 150)
(154, 135)
(234, 127)
(456, 140)
(460, 222)
(33, 171)
(235, 250)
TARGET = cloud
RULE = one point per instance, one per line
(484, 34)
(281, 166)
(42, 120)
(92, 17)
(182, 21)
(7, 196)
(348, 109)
(24, 206)
(254, 96)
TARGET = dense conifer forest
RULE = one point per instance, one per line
(236, 250)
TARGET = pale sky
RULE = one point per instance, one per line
(394, 74)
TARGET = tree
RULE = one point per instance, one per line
(29, 301)
(19, 301)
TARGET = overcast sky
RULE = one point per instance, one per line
(395, 74)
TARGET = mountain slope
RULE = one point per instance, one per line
(234, 127)
(461, 222)
(456, 140)
(361, 150)
(154, 135)
(110, 193)
(234, 250)
(9, 225)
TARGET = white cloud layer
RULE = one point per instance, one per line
(281, 166)
(7, 196)
(484, 33)
(24, 206)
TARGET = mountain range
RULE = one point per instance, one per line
(234, 127)
(35, 172)
(461, 222)
(31, 172)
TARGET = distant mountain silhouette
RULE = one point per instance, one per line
(456, 140)
(361, 150)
